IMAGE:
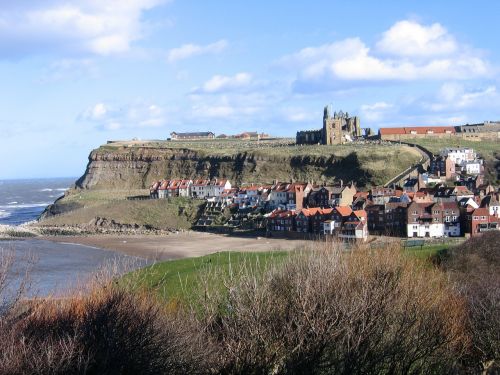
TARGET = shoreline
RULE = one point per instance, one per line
(177, 245)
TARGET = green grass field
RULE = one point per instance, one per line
(181, 280)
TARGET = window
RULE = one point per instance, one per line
(436, 219)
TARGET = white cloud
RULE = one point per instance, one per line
(409, 38)
(91, 26)
(417, 52)
(376, 112)
(191, 50)
(219, 83)
(456, 96)
(136, 115)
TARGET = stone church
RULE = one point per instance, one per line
(337, 129)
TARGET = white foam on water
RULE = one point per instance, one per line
(26, 205)
(56, 189)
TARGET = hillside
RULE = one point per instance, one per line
(120, 170)
(136, 165)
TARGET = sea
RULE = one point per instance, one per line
(22, 201)
(54, 268)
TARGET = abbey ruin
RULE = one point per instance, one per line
(337, 129)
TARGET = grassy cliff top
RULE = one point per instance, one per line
(283, 147)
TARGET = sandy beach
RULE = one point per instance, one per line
(179, 245)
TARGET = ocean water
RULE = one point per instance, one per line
(24, 200)
(55, 268)
(59, 268)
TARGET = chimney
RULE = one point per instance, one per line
(341, 183)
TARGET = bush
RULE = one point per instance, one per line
(474, 267)
(109, 331)
(364, 312)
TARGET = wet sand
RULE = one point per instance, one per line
(179, 245)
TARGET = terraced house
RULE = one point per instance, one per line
(433, 219)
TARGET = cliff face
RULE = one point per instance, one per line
(137, 168)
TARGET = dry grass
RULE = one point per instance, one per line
(316, 311)
(325, 311)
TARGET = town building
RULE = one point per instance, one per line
(191, 136)
(480, 221)
(484, 130)
(355, 227)
(404, 133)
(289, 195)
(425, 220)
(281, 221)
(459, 155)
(443, 166)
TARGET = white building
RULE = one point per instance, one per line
(425, 230)
(185, 188)
(473, 167)
(216, 187)
(199, 188)
(460, 156)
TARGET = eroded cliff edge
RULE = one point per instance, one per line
(137, 167)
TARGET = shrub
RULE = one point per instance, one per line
(474, 267)
(363, 312)
(109, 331)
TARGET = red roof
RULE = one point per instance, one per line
(200, 182)
(481, 212)
(417, 130)
(164, 184)
(344, 210)
(360, 213)
(362, 194)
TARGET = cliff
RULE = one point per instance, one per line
(137, 167)
(122, 170)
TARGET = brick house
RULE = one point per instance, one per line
(479, 221)
(355, 226)
(281, 221)
(395, 217)
(425, 220)
(304, 219)
(290, 195)
(442, 166)
(376, 218)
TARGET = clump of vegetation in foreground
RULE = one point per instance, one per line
(317, 311)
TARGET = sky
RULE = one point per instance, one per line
(75, 74)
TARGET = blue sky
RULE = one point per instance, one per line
(77, 73)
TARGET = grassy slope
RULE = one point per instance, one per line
(178, 213)
(181, 279)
